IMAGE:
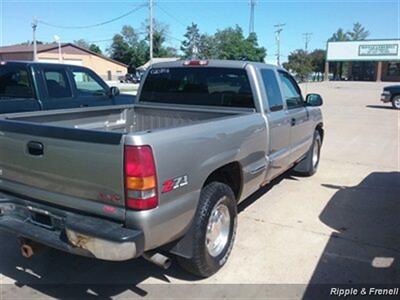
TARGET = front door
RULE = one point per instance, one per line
(301, 133)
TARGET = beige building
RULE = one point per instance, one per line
(369, 60)
(107, 68)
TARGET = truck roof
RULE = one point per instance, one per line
(31, 63)
(217, 63)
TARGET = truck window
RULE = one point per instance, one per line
(290, 91)
(198, 86)
(86, 84)
(15, 82)
(57, 83)
(271, 85)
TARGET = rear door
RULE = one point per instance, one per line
(57, 88)
(17, 93)
(89, 88)
(300, 132)
(279, 125)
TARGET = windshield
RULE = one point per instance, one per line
(198, 86)
(14, 82)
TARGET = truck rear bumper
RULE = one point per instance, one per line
(69, 232)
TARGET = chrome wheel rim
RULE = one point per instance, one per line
(396, 102)
(315, 157)
(218, 229)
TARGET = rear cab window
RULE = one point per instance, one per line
(210, 86)
(15, 82)
(57, 84)
(271, 85)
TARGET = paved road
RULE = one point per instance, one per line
(340, 226)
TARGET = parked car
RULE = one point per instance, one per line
(32, 86)
(129, 78)
(163, 176)
(391, 94)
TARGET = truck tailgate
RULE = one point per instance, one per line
(74, 168)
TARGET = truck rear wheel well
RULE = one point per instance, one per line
(229, 174)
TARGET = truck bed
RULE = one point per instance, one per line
(126, 119)
(74, 158)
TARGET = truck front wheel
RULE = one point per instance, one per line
(309, 165)
(214, 230)
(396, 102)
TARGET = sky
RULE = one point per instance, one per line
(321, 18)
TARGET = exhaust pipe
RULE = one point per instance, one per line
(26, 251)
(158, 259)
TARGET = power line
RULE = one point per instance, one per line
(172, 37)
(95, 25)
(279, 28)
(171, 15)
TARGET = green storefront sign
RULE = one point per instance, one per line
(378, 50)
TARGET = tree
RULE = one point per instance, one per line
(207, 47)
(119, 49)
(86, 45)
(130, 35)
(359, 33)
(82, 43)
(94, 48)
(128, 49)
(318, 58)
(299, 63)
(231, 44)
(190, 46)
(160, 33)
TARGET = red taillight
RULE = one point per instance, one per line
(140, 178)
(195, 63)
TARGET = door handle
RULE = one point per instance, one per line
(293, 122)
(35, 148)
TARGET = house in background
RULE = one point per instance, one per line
(107, 68)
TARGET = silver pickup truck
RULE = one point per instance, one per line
(160, 177)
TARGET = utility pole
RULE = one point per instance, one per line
(279, 28)
(307, 38)
(34, 26)
(151, 30)
(251, 22)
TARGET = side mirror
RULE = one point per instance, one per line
(113, 91)
(314, 100)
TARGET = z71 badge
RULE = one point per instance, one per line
(174, 183)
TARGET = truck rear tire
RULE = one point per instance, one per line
(396, 102)
(309, 165)
(214, 230)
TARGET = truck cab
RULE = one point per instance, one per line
(32, 86)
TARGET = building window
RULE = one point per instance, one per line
(393, 69)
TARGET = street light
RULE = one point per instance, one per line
(57, 39)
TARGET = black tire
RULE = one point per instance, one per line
(396, 102)
(308, 167)
(203, 264)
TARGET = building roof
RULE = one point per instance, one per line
(157, 60)
(24, 48)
